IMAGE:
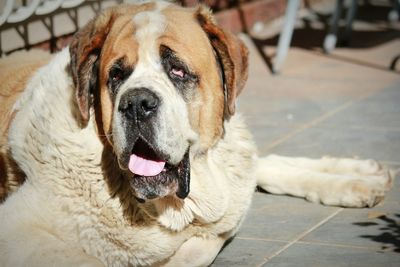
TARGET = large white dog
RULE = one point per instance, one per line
(125, 149)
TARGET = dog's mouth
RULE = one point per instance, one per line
(153, 177)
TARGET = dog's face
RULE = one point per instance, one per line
(161, 80)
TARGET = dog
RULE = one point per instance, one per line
(125, 148)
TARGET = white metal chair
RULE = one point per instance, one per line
(331, 38)
(23, 12)
(286, 35)
(394, 14)
(14, 15)
(7, 9)
(71, 3)
(48, 6)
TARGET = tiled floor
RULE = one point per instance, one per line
(345, 104)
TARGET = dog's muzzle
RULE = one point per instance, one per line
(173, 179)
(151, 175)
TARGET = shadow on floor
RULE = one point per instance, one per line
(390, 235)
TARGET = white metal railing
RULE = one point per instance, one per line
(17, 15)
(15, 12)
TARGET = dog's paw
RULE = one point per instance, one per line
(359, 192)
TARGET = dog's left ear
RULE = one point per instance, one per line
(232, 55)
(85, 50)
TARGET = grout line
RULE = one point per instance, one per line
(262, 239)
(316, 121)
(296, 127)
(301, 236)
(351, 127)
(343, 246)
(367, 128)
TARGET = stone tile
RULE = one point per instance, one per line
(310, 86)
(316, 68)
(267, 134)
(328, 256)
(285, 110)
(281, 218)
(278, 219)
(380, 145)
(392, 199)
(246, 253)
(381, 110)
(377, 228)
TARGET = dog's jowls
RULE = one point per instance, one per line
(131, 153)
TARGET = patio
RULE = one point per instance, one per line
(345, 104)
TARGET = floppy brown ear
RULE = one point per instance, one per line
(232, 55)
(85, 50)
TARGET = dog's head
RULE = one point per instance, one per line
(161, 80)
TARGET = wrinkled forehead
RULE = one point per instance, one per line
(137, 35)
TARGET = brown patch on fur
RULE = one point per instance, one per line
(232, 53)
(94, 49)
(211, 104)
(15, 71)
(206, 104)
(120, 44)
(11, 176)
(85, 50)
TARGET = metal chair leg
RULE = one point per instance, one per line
(286, 34)
(331, 37)
(351, 13)
(394, 14)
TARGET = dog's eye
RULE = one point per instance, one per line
(178, 72)
(116, 75)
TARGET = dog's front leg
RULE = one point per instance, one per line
(331, 181)
(196, 252)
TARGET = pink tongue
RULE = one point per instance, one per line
(145, 167)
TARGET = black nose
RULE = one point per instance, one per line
(139, 103)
